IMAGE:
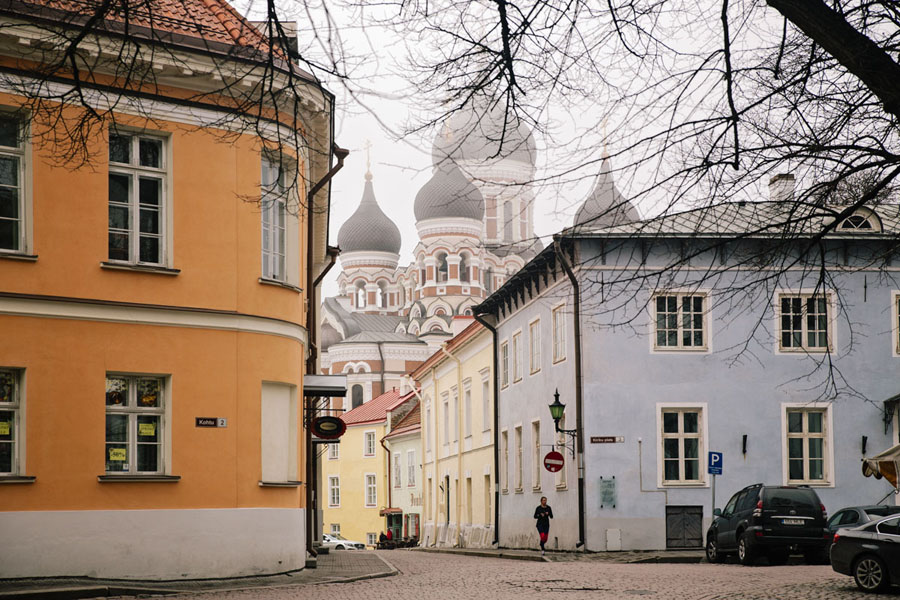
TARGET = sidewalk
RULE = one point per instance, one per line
(626, 557)
(334, 567)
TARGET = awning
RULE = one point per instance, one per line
(325, 385)
(390, 511)
(886, 464)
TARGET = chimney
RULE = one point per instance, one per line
(781, 187)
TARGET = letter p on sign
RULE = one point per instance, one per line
(715, 463)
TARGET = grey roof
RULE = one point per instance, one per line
(755, 219)
(479, 133)
(369, 228)
(378, 322)
(527, 249)
(328, 336)
(382, 336)
(605, 206)
(448, 194)
(360, 327)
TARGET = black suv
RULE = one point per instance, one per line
(769, 520)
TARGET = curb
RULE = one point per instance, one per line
(487, 554)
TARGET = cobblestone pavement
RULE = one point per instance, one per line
(450, 577)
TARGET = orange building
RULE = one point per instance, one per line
(153, 316)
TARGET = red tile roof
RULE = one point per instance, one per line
(412, 421)
(375, 410)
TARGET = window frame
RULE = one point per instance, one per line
(830, 317)
(411, 468)
(398, 474)
(335, 529)
(334, 490)
(895, 322)
(334, 451)
(679, 296)
(558, 333)
(367, 487)
(536, 462)
(517, 356)
(367, 436)
(504, 364)
(486, 411)
(534, 346)
(828, 479)
(16, 406)
(22, 152)
(467, 409)
(702, 435)
(517, 438)
(133, 412)
(504, 461)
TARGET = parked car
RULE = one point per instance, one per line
(771, 521)
(854, 516)
(870, 553)
(336, 541)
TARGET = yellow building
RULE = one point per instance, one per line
(458, 443)
(154, 331)
(355, 491)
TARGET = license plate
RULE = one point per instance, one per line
(792, 521)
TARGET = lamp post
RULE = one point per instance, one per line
(557, 409)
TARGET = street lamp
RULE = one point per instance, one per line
(556, 412)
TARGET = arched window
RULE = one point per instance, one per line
(442, 269)
(507, 222)
(468, 312)
(356, 396)
(463, 268)
(439, 312)
(489, 281)
(402, 296)
(381, 298)
(857, 222)
(436, 327)
(360, 295)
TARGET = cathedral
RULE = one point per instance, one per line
(475, 226)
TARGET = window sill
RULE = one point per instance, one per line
(805, 350)
(12, 255)
(683, 484)
(138, 478)
(536, 490)
(562, 488)
(156, 270)
(535, 372)
(519, 490)
(679, 350)
(280, 484)
(281, 284)
(556, 361)
(16, 479)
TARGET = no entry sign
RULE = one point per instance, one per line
(554, 461)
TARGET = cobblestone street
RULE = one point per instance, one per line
(444, 576)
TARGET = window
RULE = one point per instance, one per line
(467, 413)
(372, 539)
(807, 438)
(279, 432)
(397, 474)
(369, 449)
(360, 294)
(427, 429)
(455, 416)
(534, 341)
(559, 333)
(504, 364)
(335, 529)
(356, 396)
(442, 268)
(12, 179)
(334, 492)
(504, 461)
(137, 203)
(10, 413)
(411, 468)
(134, 424)
(463, 268)
(371, 491)
(507, 222)
(518, 440)
(273, 205)
(488, 280)
(804, 323)
(486, 405)
(536, 461)
(681, 445)
(680, 321)
(446, 403)
(334, 451)
(379, 296)
(517, 356)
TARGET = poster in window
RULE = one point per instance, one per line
(118, 454)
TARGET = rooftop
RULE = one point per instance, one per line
(375, 410)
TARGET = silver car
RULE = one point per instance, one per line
(336, 541)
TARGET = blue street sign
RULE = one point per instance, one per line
(715, 463)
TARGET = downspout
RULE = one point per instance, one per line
(389, 481)
(434, 494)
(312, 349)
(493, 330)
(459, 443)
(579, 419)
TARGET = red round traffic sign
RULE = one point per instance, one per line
(554, 461)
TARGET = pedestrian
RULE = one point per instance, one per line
(543, 513)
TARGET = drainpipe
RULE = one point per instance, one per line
(435, 454)
(312, 349)
(389, 484)
(579, 419)
(459, 443)
(496, 360)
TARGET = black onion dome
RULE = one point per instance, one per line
(369, 229)
(448, 194)
(476, 134)
(605, 206)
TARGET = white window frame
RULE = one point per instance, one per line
(828, 442)
(275, 220)
(830, 318)
(369, 444)
(335, 529)
(486, 413)
(410, 468)
(895, 322)
(445, 405)
(536, 461)
(517, 356)
(371, 539)
(679, 329)
(398, 474)
(504, 461)
(467, 409)
(370, 487)
(427, 428)
(517, 438)
(504, 363)
(455, 413)
(334, 451)
(534, 346)
(21, 153)
(135, 171)
(703, 436)
(133, 411)
(334, 491)
(11, 401)
(558, 325)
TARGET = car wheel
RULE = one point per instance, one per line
(339, 547)
(778, 556)
(746, 550)
(712, 550)
(870, 574)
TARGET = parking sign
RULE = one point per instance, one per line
(715, 463)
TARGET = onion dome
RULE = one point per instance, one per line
(369, 229)
(449, 194)
(605, 206)
(482, 135)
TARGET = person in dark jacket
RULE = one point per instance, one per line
(543, 514)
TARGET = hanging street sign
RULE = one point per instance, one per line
(554, 461)
(328, 428)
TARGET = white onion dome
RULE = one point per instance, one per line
(481, 135)
(369, 229)
(449, 194)
(605, 206)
